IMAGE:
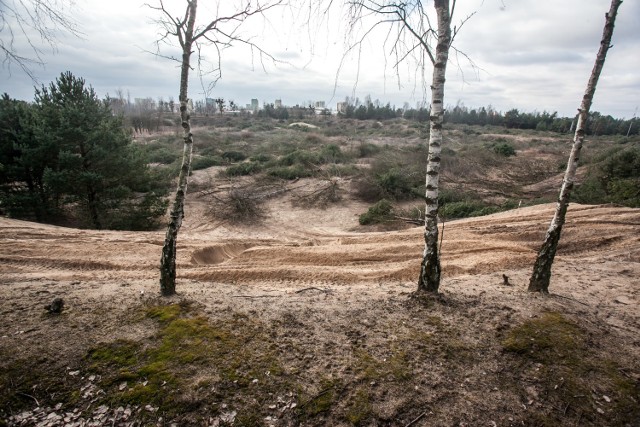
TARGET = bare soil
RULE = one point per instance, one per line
(334, 309)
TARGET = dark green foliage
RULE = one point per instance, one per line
(395, 183)
(233, 156)
(365, 149)
(290, 172)
(261, 157)
(300, 157)
(203, 162)
(471, 208)
(616, 179)
(68, 154)
(380, 212)
(162, 153)
(331, 153)
(245, 168)
(504, 149)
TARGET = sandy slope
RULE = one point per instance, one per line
(320, 268)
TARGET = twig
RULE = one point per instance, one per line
(255, 296)
(622, 371)
(417, 419)
(572, 299)
(323, 392)
(28, 395)
(441, 236)
(312, 288)
(415, 221)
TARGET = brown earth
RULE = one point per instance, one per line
(339, 309)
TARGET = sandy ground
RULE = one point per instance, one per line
(319, 269)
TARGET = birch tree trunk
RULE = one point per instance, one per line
(168, 260)
(541, 275)
(429, 279)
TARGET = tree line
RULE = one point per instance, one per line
(596, 124)
(67, 158)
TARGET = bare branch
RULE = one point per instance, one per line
(45, 18)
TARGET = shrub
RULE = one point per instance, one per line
(233, 156)
(331, 153)
(203, 162)
(241, 169)
(366, 149)
(504, 149)
(290, 172)
(615, 180)
(380, 212)
(261, 157)
(161, 154)
(461, 209)
(300, 157)
(395, 183)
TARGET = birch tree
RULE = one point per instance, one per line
(414, 36)
(541, 275)
(220, 32)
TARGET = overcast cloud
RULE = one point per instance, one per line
(531, 55)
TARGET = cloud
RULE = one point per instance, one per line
(533, 55)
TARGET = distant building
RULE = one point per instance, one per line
(278, 103)
(320, 105)
(255, 106)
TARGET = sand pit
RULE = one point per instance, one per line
(334, 306)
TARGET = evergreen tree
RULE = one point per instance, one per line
(70, 155)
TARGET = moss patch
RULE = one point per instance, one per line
(191, 362)
(575, 382)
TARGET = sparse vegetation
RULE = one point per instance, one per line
(380, 212)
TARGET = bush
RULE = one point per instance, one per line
(241, 169)
(233, 156)
(396, 184)
(161, 154)
(380, 212)
(615, 180)
(472, 208)
(366, 149)
(331, 153)
(300, 157)
(504, 149)
(203, 162)
(290, 172)
(261, 157)
(461, 209)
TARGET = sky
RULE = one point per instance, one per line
(534, 55)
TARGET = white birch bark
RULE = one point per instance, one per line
(168, 259)
(429, 279)
(541, 275)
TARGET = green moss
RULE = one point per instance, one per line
(161, 371)
(394, 367)
(359, 408)
(119, 353)
(566, 367)
(551, 337)
(320, 402)
(164, 313)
